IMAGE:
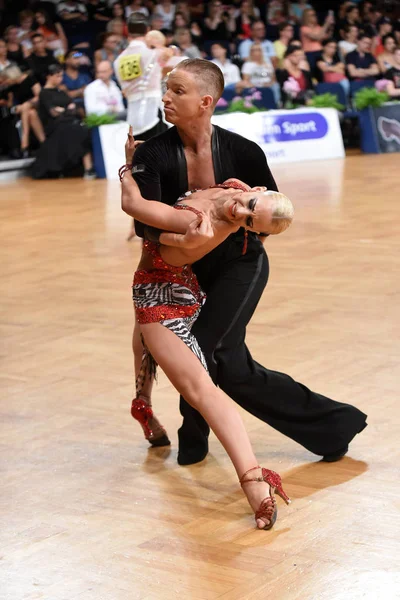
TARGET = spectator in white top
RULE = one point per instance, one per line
(230, 71)
(349, 44)
(103, 96)
(258, 36)
(259, 72)
(166, 10)
(136, 6)
(25, 31)
(70, 10)
(138, 70)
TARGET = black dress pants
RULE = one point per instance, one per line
(318, 423)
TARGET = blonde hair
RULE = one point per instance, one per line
(155, 37)
(282, 213)
(12, 73)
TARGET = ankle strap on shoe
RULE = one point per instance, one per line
(241, 480)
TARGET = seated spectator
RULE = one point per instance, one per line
(219, 24)
(169, 36)
(286, 33)
(312, 35)
(396, 32)
(99, 12)
(330, 69)
(72, 12)
(9, 138)
(230, 71)
(67, 141)
(296, 10)
(303, 64)
(109, 49)
(103, 96)
(361, 64)
(183, 8)
(40, 59)
(25, 90)
(352, 18)
(136, 6)
(293, 58)
(53, 34)
(179, 21)
(157, 23)
(15, 52)
(166, 11)
(259, 72)
(277, 12)
(4, 62)
(384, 28)
(371, 20)
(245, 20)
(74, 82)
(350, 40)
(386, 58)
(197, 34)
(25, 31)
(183, 38)
(118, 12)
(117, 27)
(393, 74)
(258, 36)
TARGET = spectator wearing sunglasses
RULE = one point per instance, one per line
(74, 82)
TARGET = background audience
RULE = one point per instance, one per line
(286, 46)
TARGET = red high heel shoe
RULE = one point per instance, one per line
(268, 508)
(154, 432)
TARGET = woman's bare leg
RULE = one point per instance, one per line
(188, 376)
(87, 162)
(36, 125)
(143, 391)
(24, 113)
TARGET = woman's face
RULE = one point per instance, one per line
(311, 18)
(40, 18)
(111, 43)
(256, 54)
(296, 57)
(180, 21)
(55, 80)
(330, 49)
(390, 45)
(118, 28)
(27, 23)
(117, 10)
(12, 35)
(252, 210)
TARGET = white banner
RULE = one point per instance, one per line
(284, 135)
(289, 135)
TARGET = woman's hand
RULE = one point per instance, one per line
(130, 146)
(198, 233)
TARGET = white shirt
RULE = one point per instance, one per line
(168, 17)
(260, 75)
(77, 7)
(230, 71)
(139, 75)
(101, 99)
(345, 47)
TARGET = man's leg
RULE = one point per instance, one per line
(320, 424)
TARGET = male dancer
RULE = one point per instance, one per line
(195, 154)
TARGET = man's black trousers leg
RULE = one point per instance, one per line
(318, 423)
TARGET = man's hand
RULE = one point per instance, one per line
(198, 233)
(130, 146)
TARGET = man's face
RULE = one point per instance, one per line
(364, 45)
(38, 44)
(72, 62)
(258, 31)
(104, 72)
(353, 33)
(218, 52)
(157, 23)
(182, 99)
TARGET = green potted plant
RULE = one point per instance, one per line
(326, 101)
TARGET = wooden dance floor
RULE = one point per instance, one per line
(88, 512)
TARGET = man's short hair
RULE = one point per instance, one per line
(137, 24)
(209, 76)
(35, 36)
(363, 35)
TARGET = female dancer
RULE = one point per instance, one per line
(167, 299)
